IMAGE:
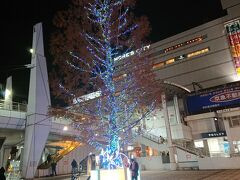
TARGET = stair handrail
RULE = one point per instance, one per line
(152, 137)
(190, 149)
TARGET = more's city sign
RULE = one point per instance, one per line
(214, 134)
(214, 99)
(131, 53)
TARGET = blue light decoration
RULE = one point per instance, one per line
(111, 116)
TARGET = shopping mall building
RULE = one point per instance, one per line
(197, 125)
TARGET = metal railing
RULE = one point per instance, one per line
(189, 147)
(13, 106)
(153, 138)
(177, 143)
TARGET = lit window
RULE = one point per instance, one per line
(176, 46)
(182, 57)
(199, 144)
(159, 65)
(196, 53)
(170, 61)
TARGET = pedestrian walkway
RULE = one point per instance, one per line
(232, 174)
(63, 177)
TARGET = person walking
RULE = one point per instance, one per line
(2, 176)
(74, 165)
(134, 169)
(49, 158)
(161, 140)
(54, 165)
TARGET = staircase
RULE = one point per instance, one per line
(151, 141)
(189, 147)
(67, 148)
(157, 143)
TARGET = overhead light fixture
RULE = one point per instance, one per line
(7, 93)
(31, 51)
(65, 128)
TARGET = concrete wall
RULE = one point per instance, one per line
(152, 163)
(183, 156)
(233, 133)
(201, 123)
(229, 3)
(219, 163)
(181, 131)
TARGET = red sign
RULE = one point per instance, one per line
(188, 156)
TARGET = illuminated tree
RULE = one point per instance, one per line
(100, 49)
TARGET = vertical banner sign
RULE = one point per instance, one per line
(233, 35)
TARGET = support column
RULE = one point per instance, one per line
(38, 123)
(5, 152)
(143, 149)
(1, 156)
(176, 107)
(8, 94)
(173, 165)
(228, 132)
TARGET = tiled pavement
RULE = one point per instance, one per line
(225, 175)
(192, 175)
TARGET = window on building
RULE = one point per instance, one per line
(182, 44)
(158, 65)
(199, 144)
(180, 58)
(197, 39)
(170, 61)
(234, 121)
(196, 53)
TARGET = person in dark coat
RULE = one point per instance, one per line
(54, 165)
(49, 158)
(134, 169)
(74, 165)
(2, 176)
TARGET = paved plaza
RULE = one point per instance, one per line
(192, 175)
(180, 175)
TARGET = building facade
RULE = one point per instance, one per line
(200, 60)
(203, 60)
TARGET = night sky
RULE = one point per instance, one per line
(18, 17)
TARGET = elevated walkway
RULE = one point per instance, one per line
(15, 116)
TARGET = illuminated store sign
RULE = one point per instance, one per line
(226, 96)
(214, 134)
(215, 99)
(233, 34)
(131, 53)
